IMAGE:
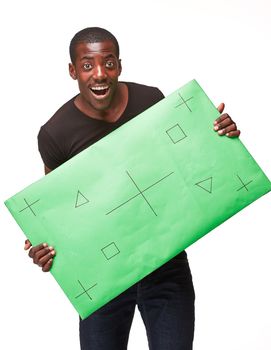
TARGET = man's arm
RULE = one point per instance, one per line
(41, 254)
(47, 170)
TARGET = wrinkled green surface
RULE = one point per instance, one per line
(129, 203)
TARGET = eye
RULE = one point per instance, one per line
(110, 64)
(87, 66)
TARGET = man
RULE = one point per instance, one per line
(165, 298)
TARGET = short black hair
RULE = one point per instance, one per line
(92, 35)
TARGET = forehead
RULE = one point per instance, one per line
(94, 49)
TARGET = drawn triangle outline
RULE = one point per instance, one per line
(206, 188)
(80, 198)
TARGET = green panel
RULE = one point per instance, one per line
(135, 199)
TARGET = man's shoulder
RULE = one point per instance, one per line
(142, 88)
(67, 110)
(144, 94)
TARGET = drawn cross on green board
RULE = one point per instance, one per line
(29, 206)
(244, 185)
(85, 290)
(141, 192)
(184, 102)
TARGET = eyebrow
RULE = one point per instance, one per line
(91, 56)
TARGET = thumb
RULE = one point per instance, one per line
(221, 107)
(27, 244)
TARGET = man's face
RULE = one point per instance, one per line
(97, 69)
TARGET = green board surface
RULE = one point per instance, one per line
(135, 199)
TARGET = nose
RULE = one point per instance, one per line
(99, 73)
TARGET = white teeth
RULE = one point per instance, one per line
(99, 88)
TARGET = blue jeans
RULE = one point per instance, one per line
(165, 299)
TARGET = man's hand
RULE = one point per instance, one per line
(224, 125)
(41, 254)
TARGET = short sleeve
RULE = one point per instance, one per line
(160, 95)
(50, 153)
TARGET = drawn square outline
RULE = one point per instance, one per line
(110, 250)
(182, 133)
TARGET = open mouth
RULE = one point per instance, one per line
(100, 91)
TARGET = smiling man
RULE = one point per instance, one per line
(97, 67)
(165, 298)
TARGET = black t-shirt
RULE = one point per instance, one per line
(70, 131)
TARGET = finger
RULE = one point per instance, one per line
(221, 107)
(235, 133)
(27, 244)
(224, 131)
(41, 253)
(44, 259)
(47, 266)
(226, 122)
(221, 118)
(35, 249)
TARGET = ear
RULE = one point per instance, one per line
(120, 67)
(72, 71)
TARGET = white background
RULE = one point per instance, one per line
(225, 45)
